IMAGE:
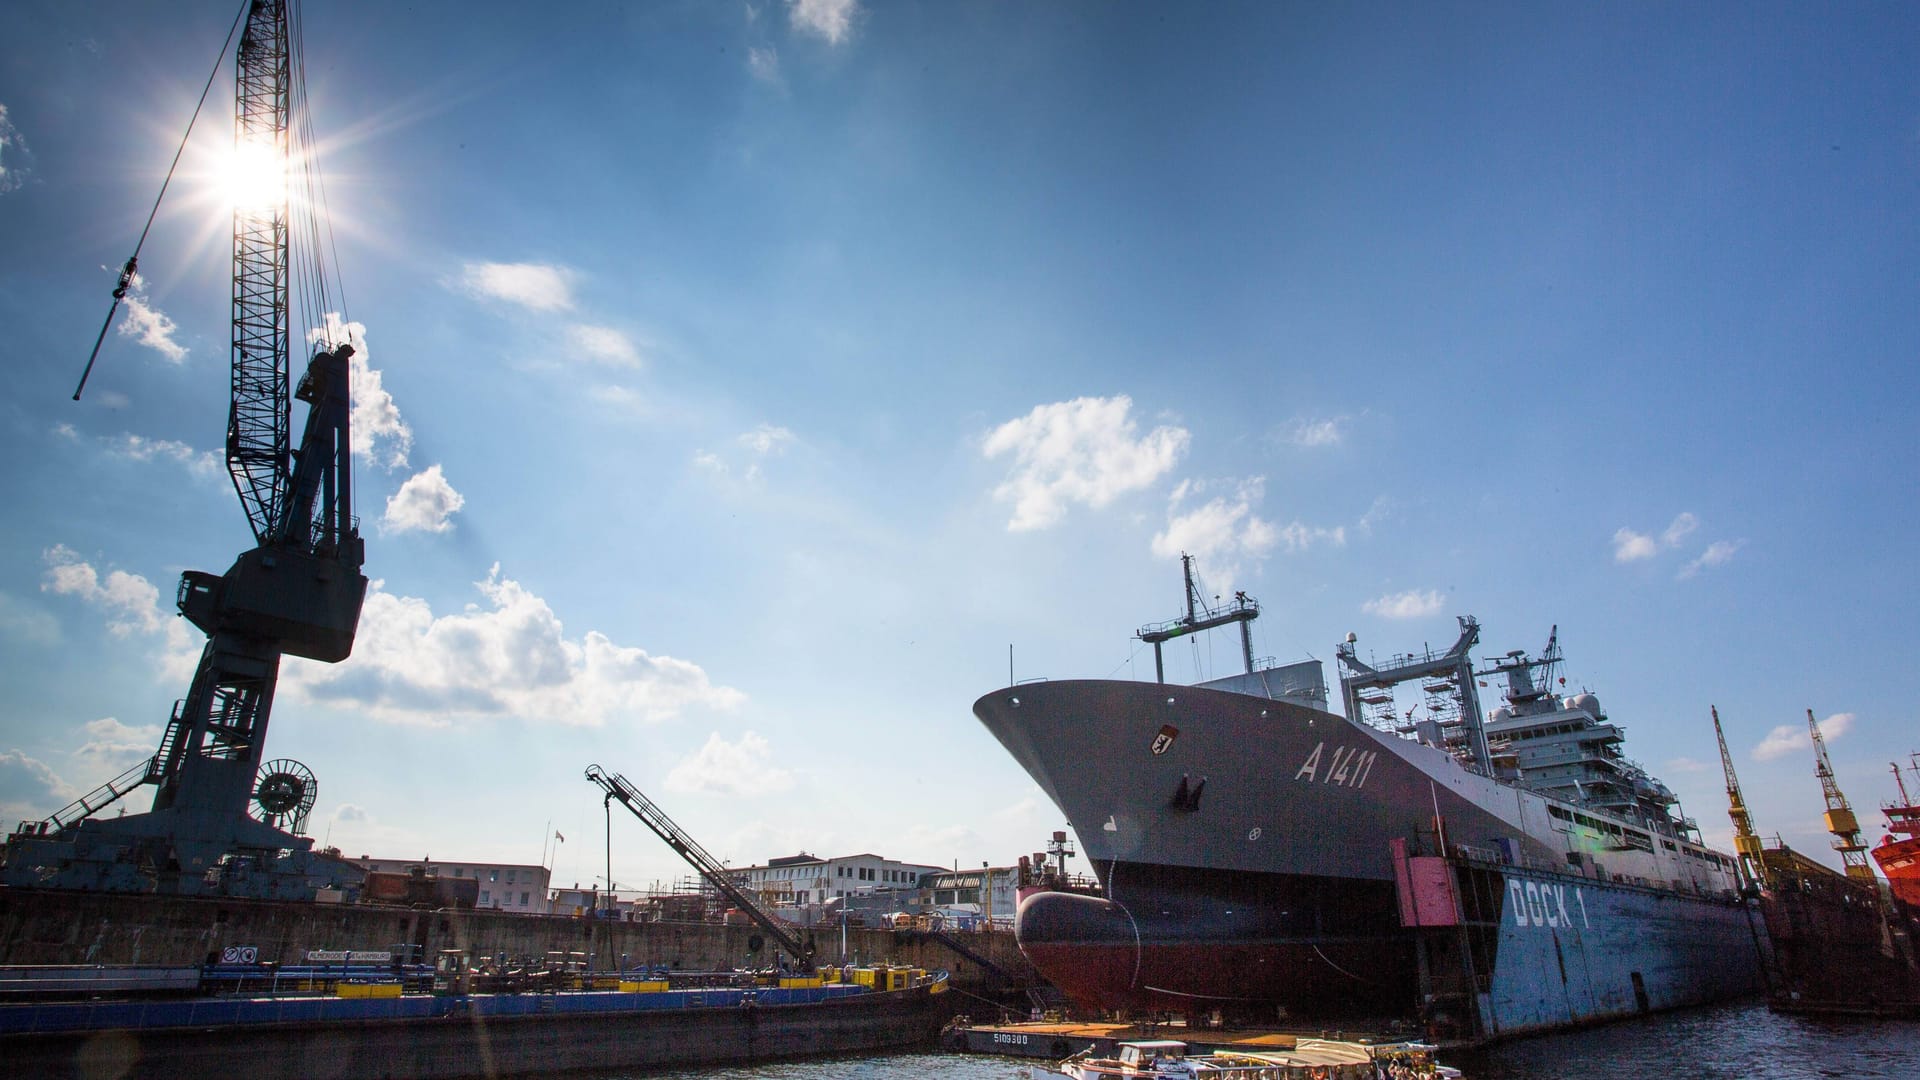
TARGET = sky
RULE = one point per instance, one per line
(746, 388)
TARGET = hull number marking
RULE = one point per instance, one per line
(1535, 904)
(1348, 767)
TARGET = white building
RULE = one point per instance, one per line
(514, 887)
(808, 879)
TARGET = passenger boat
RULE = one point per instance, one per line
(1308, 1059)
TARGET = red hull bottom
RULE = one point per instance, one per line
(1304, 978)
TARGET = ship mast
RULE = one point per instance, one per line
(1746, 843)
(1840, 820)
(1243, 610)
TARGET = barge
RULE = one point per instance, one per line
(372, 1028)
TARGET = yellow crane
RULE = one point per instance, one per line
(1746, 843)
(1840, 820)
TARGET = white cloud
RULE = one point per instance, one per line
(1218, 533)
(1717, 554)
(510, 658)
(1381, 510)
(619, 397)
(1299, 537)
(538, 286)
(1327, 432)
(149, 325)
(1686, 765)
(29, 789)
(1082, 451)
(1630, 546)
(132, 605)
(1678, 531)
(21, 623)
(738, 768)
(424, 503)
(1412, 604)
(1793, 738)
(139, 448)
(379, 433)
(764, 441)
(767, 439)
(764, 64)
(12, 148)
(116, 745)
(131, 601)
(831, 20)
(603, 344)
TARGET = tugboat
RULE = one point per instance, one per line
(1307, 1059)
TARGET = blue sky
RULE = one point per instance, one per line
(751, 376)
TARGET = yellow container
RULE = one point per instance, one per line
(367, 990)
(642, 986)
(863, 976)
(792, 982)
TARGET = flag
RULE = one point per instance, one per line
(557, 836)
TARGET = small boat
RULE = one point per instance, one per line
(1308, 1059)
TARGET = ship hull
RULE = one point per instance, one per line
(1247, 849)
(1899, 860)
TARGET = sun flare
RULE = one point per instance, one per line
(255, 176)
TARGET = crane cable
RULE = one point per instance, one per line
(130, 271)
(315, 285)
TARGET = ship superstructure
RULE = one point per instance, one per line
(1512, 871)
(1898, 853)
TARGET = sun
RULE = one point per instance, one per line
(255, 176)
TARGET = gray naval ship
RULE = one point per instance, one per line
(1258, 853)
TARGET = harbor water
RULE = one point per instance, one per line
(1739, 1042)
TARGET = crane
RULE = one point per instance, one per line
(1840, 820)
(713, 870)
(1746, 843)
(298, 591)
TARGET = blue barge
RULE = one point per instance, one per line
(370, 1029)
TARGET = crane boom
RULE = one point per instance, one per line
(1746, 843)
(1840, 819)
(710, 868)
(257, 422)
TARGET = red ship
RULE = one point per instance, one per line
(1899, 851)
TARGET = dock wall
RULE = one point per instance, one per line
(56, 927)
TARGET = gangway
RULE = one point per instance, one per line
(92, 802)
(710, 868)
